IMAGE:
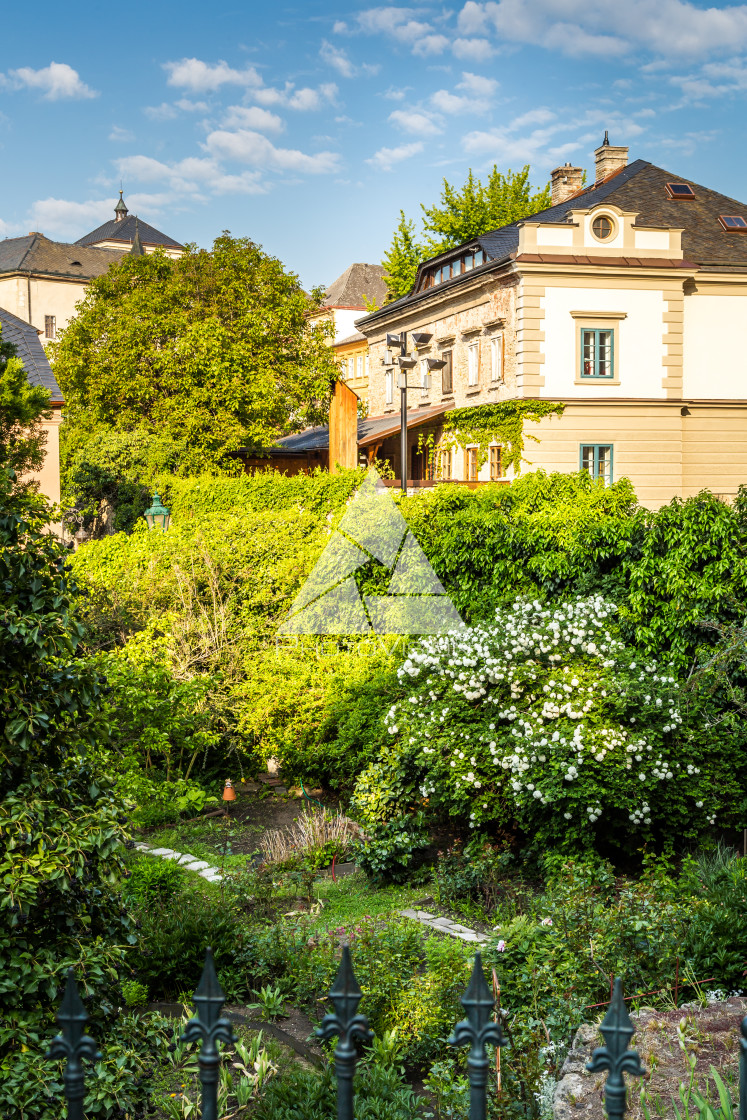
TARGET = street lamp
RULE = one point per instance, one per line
(158, 516)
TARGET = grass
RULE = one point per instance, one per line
(350, 899)
(203, 839)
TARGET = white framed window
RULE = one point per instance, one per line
(424, 377)
(473, 363)
(351, 368)
(50, 326)
(359, 365)
(389, 382)
(496, 358)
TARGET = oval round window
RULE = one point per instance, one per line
(602, 228)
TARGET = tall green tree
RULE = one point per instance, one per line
(402, 260)
(213, 350)
(461, 214)
(61, 828)
(22, 408)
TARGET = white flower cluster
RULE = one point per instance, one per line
(555, 684)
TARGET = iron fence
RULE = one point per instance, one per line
(480, 1028)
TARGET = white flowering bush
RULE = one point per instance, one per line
(545, 719)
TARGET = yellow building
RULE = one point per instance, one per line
(626, 301)
(352, 353)
(41, 281)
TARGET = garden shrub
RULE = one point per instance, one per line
(302, 1094)
(151, 879)
(548, 719)
(387, 853)
(170, 952)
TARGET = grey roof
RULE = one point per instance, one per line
(38, 255)
(25, 338)
(125, 231)
(639, 187)
(357, 281)
(357, 337)
(369, 430)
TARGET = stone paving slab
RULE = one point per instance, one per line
(443, 925)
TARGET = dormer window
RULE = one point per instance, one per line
(733, 223)
(472, 258)
(680, 190)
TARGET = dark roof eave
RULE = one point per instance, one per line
(405, 302)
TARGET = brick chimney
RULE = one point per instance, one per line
(609, 158)
(566, 181)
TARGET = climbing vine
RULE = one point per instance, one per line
(501, 422)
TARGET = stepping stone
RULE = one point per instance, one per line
(444, 923)
(198, 865)
(185, 859)
(212, 875)
(163, 852)
(173, 855)
(142, 848)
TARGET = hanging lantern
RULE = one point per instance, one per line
(158, 516)
(229, 793)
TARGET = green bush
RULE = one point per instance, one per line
(153, 880)
(170, 951)
(380, 1094)
(547, 718)
(389, 849)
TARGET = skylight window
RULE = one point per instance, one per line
(680, 190)
(733, 223)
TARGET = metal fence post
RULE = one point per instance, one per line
(210, 1028)
(617, 1030)
(478, 1029)
(348, 1025)
(73, 1045)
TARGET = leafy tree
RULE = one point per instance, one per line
(109, 475)
(22, 408)
(402, 260)
(463, 213)
(60, 828)
(213, 350)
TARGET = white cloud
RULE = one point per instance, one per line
(121, 135)
(188, 177)
(241, 116)
(411, 120)
(60, 217)
(56, 81)
(336, 58)
(162, 112)
(475, 99)
(302, 100)
(396, 93)
(252, 147)
(386, 158)
(472, 19)
(340, 27)
(430, 44)
(558, 138)
(478, 50)
(397, 22)
(672, 28)
(202, 77)
(188, 106)
(477, 85)
(715, 79)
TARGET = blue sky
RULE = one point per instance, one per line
(307, 127)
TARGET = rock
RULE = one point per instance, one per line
(198, 865)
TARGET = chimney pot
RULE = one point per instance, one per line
(609, 158)
(566, 181)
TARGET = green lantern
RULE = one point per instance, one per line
(158, 516)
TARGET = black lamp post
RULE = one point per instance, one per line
(420, 338)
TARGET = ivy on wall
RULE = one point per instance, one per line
(501, 422)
